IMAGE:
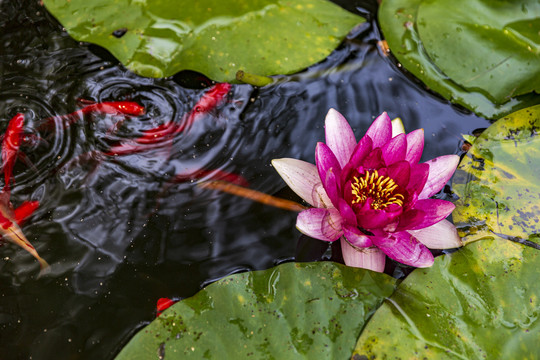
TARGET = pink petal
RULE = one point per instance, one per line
(339, 136)
(394, 150)
(355, 237)
(409, 219)
(347, 213)
(400, 172)
(374, 160)
(331, 186)
(322, 224)
(329, 171)
(415, 146)
(441, 170)
(381, 130)
(375, 219)
(368, 258)
(434, 211)
(418, 178)
(442, 235)
(303, 178)
(404, 248)
(361, 150)
(325, 159)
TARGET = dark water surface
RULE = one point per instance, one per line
(118, 236)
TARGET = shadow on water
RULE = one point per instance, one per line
(116, 241)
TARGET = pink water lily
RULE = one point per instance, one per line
(374, 194)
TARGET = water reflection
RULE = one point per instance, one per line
(117, 234)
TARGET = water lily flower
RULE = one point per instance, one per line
(373, 194)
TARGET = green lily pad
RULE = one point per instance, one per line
(399, 21)
(483, 45)
(498, 180)
(481, 302)
(300, 311)
(214, 37)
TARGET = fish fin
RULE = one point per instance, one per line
(45, 268)
(4, 198)
(26, 160)
(26, 209)
(16, 236)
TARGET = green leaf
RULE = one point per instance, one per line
(300, 311)
(465, 65)
(214, 37)
(469, 138)
(498, 180)
(497, 44)
(481, 302)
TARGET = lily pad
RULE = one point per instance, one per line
(500, 39)
(300, 311)
(214, 37)
(404, 33)
(498, 180)
(481, 302)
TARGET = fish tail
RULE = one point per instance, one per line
(45, 269)
(42, 263)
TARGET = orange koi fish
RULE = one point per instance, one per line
(10, 219)
(107, 107)
(209, 101)
(112, 107)
(164, 134)
(10, 147)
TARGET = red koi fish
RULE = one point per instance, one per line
(163, 304)
(10, 147)
(10, 218)
(10, 221)
(209, 101)
(164, 134)
(107, 107)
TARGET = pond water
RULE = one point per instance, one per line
(117, 233)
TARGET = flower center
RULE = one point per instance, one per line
(381, 189)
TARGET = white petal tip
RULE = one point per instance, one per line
(442, 235)
(369, 258)
(397, 127)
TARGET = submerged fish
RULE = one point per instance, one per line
(10, 147)
(106, 107)
(10, 220)
(163, 135)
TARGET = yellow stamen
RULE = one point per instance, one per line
(381, 189)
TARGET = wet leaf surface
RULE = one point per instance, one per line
(497, 181)
(483, 66)
(296, 310)
(481, 302)
(216, 38)
(500, 39)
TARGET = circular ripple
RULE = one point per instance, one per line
(40, 153)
